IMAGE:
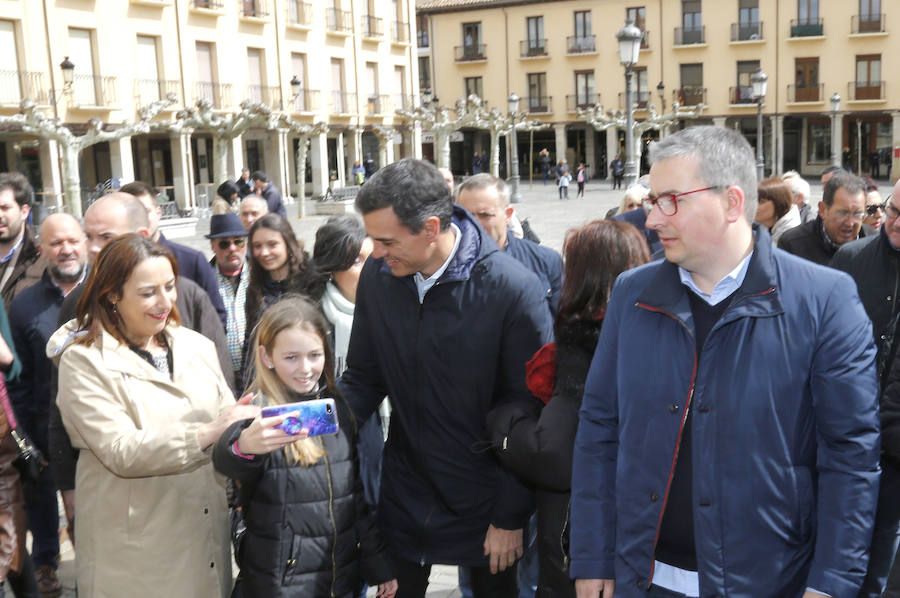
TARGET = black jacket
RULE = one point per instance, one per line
(890, 417)
(543, 261)
(807, 241)
(445, 363)
(309, 532)
(27, 269)
(875, 267)
(539, 449)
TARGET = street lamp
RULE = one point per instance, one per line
(759, 79)
(629, 52)
(68, 73)
(661, 91)
(835, 108)
(513, 103)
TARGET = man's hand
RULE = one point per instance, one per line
(503, 547)
(595, 588)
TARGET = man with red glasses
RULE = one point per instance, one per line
(740, 458)
(228, 241)
(840, 221)
(874, 263)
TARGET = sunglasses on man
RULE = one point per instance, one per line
(225, 244)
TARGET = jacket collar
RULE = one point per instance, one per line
(118, 357)
(474, 246)
(757, 297)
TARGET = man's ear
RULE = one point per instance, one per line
(509, 212)
(735, 198)
(822, 208)
(432, 227)
(144, 232)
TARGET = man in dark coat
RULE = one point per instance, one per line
(841, 214)
(874, 264)
(19, 256)
(444, 324)
(244, 184)
(33, 318)
(487, 198)
(269, 192)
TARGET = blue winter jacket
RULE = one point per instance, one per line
(445, 363)
(785, 432)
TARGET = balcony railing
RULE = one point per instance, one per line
(807, 27)
(253, 8)
(689, 95)
(404, 101)
(685, 36)
(746, 31)
(741, 94)
(470, 52)
(641, 99)
(377, 104)
(217, 94)
(265, 94)
(306, 100)
(94, 90)
(865, 90)
(539, 104)
(338, 20)
(371, 26)
(867, 23)
(806, 93)
(343, 102)
(582, 101)
(208, 4)
(581, 44)
(147, 91)
(16, 86)
(400, 32)
(531, 48)
(300, 13)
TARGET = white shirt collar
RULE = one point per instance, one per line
(724, 288)
(424, 284)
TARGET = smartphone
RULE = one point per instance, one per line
(319, 416)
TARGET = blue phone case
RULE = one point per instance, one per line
(319, 416)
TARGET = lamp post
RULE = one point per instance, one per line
(68, 73)
(835, 108)
(629, 52)
(661, 92)
(515, 196)
(759, 80)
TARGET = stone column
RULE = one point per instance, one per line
(51, 177)
(895, 143)
(719, 121)
(416, 141)
(778, 128)
(235, 160)
(590, 153)
(339, 148)
(560, 131)
(278, 169)
(318, 157)
(354, 146)
(182, 172)
(121, 159)
(612, 147)
(836, 139)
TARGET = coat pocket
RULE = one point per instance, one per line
(292, 569)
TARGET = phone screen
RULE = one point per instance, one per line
(318, 416)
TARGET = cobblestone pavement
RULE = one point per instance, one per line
(549, 217)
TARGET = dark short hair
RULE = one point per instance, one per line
(138, 188)
(415, 190)
(19, 185)
(595, 254)
(842, 180)
(113, 268)
(338, 242)
(777, 191)
(227, 190)
(259, 175)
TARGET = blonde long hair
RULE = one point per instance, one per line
(291, 311)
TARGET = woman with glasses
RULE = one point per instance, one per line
(775, 210)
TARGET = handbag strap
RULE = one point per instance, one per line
(4, 400)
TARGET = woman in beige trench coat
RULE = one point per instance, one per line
(143, 400)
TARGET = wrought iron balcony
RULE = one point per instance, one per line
(531, 48)
(343, 102)
(645, 39)
(265, 94)
(217, 94)
(871, 23)
(16, 86)
(377, 104)
(306, 100)
(208, 4)
(337, 20)
(404, 101)
(641, 99)
(94, 90)
(470, 52)
(689, 95)
(539, 104)
(300, 13)
(582, 101)
(581, 44)
(805, 93)
(746, 31)
(400, 32)
(256, 9)
(147, 91)
(371, 26)
(807, 27)
(686, 36)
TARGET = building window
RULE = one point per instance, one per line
(340, 103)
(256, 85)
(868, 77)
(303, 102)
(81, 52)
(582, 23)
(534, 30)
(743, 92)
(584, 89)
(806, 80)
(641, 88)
(818, 140)
(424, 72)
(422, 31)
(748, 26)
(638, 16)
(473, 87)
(583, 40)
(472, 48)
(537, 93)
(692, 90)
(807, 12)
(10, 91)
(869, 18)
(691, 22)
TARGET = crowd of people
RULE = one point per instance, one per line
(676, 406)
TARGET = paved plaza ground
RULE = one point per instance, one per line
(549, 217)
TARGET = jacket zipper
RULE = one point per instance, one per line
(333, 525)
(687, 406)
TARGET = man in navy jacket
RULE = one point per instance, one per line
(444, 325)
(739, 456)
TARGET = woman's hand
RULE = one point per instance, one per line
(387, 589)
(209, 433)
(262, 437)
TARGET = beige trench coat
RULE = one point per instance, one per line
(151, 514)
